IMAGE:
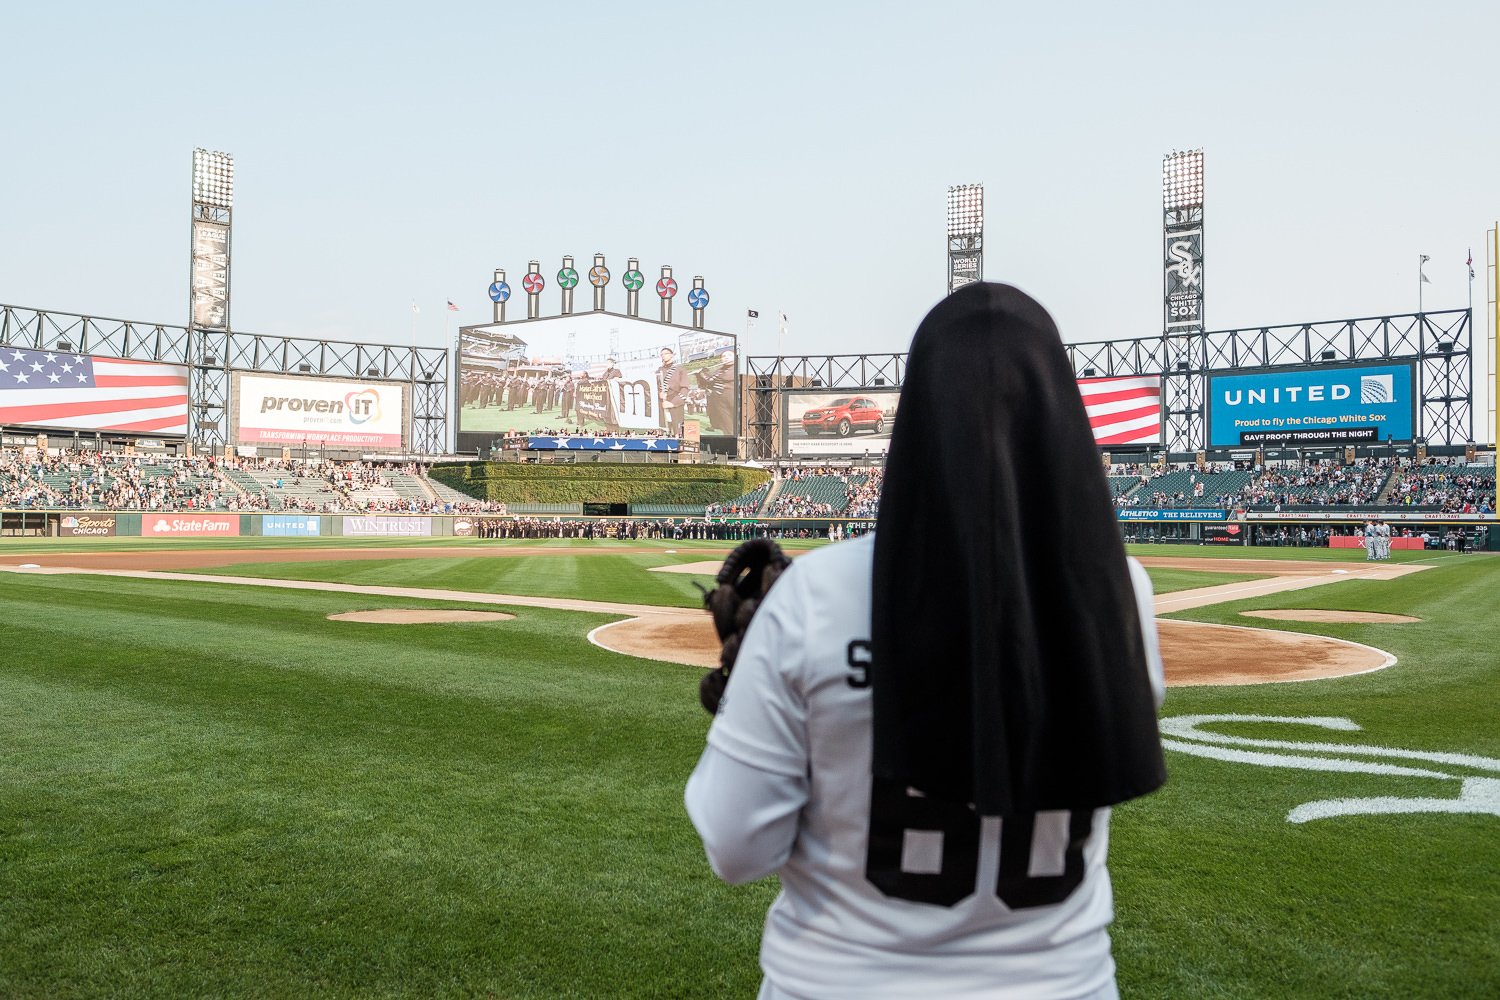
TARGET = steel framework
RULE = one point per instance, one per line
(1440, 342)
(214, 355)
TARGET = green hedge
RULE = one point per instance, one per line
(510, 482)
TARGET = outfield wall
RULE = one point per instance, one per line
(186, 524)
(1182, 525)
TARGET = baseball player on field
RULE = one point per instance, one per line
(925, 728)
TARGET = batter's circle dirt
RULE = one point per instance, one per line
(1318, 615)
(415, 616)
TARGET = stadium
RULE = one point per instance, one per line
(362, 669)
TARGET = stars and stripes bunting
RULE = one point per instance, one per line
(82, 392)
(1123, 410)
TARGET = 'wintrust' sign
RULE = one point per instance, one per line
(388, 526)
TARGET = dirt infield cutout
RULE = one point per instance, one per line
(1318, 615)
(417, 616)
(1193, 653)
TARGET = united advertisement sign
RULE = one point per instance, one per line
(1313, 406)
(290, 525)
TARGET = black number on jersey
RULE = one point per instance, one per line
(858, 661)
(894, 810)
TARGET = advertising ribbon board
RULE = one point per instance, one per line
(1171, 514)
(87, 525)
(179, 525)
(388, 526)
(1224, 534)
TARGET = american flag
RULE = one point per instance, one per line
(77, 391)
(451, 307)
(1124, 410)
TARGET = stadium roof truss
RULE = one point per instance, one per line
(214, 355)
(1441, 344)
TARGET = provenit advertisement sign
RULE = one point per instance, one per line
(1348, 405)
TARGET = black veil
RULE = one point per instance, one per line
(1007, 662)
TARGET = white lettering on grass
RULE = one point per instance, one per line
(1186, 734)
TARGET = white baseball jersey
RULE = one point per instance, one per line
(785, 786)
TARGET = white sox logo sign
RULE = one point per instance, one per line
(1188, 272)
(1186, 734)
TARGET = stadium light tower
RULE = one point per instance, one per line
(1182, 242)
(965, 235)
(208, 298)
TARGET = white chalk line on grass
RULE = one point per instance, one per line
(416, 593)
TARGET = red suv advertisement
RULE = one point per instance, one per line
(844, 416)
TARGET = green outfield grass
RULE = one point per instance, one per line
(209, 790)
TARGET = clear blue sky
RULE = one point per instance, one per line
(796, 155)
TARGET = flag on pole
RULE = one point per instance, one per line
(752, 314)
(451, 307)
(783, 322)
(1470, 262)
(414, 309)
(1421, 274)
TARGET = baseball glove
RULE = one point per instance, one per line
(743, 582)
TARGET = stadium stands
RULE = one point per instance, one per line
(87, 480)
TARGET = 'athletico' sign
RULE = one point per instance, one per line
(1171, 514)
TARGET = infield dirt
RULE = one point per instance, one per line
(1193, 653)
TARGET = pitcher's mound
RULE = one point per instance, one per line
(1316, 615)
(409, 616)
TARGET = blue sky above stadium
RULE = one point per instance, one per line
(795, 155)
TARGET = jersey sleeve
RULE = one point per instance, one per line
(762, 719)
(1146, 607)
(750, 785)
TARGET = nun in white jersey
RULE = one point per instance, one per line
(925, 728)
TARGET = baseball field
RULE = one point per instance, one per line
(211, 787)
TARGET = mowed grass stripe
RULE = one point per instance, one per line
(619, 577)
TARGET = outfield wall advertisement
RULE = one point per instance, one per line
(387, 526)
(190, 525)
(290, 525)
(320, 413)
(87, 526)
(1339, 405)
(599, 372)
